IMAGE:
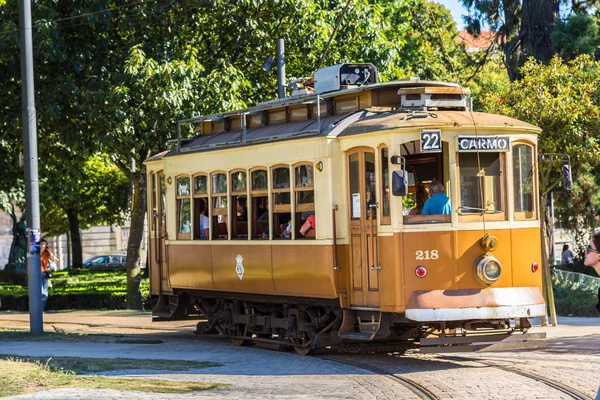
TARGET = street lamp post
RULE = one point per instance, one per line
(34, 280)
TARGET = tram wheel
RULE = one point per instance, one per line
(304, 351)
(240, 342)
(240, 330)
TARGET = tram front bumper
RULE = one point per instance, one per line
(475, 304)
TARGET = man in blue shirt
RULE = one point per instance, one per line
(438, 203)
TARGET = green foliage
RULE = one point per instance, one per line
(98, 191)
(575, 294)
(118, 79)
(562, 98)
(78, 289)
(575, 35)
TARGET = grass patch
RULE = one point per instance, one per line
(575, 294)
(22, 376)
(80, 365)
(22, 335)
(78, 289)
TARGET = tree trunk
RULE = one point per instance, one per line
(136, 235)
(537, 22)
(76, 249)
(69, 252)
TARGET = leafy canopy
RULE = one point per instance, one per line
(562, 98)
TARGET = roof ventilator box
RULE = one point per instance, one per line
(434, 97)
(344, 76)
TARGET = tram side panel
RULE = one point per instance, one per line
(293, 270)
(190, 266)
(391, 273)
(526, 245)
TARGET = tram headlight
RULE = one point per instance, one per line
(488, 269)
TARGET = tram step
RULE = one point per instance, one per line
(356, 335)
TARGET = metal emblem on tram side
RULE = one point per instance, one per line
(239, 268)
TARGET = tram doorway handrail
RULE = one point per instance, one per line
(336, 265)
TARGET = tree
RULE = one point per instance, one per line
(117, 78)
(524, 28)
(576, 35)
(65, 146)
(92, 194)
(562, 98)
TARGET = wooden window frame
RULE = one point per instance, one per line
(503, 194)
(201, 196)
(240, 193)
(178, 197)
(296, 207)
(346, 99)
(214, 212)
(384, 219)
(257, 193)
(525, 215)
(280, 208)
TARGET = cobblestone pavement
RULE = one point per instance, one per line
(572, 357)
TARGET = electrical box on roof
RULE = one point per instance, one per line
(344, 76)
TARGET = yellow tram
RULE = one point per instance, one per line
(315, 220)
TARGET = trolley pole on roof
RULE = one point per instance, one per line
(281, 68)
(34, 280)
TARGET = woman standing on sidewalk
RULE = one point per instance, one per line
(46, 256)
(592, 253)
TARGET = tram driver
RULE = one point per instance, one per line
(438, 203)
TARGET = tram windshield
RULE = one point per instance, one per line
(480, 183)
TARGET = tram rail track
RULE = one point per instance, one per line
(561, 387)
(421, 391)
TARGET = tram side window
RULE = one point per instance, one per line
(219, 206)
(385, 187)
(201, 224)
(184, 222)
(163, 202)
(239, 205)
(304, 193)
(259, 194)
(370, 185)
(522, 156)
(480, 179)
(281, 203)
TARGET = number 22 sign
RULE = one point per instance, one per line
(431, 141)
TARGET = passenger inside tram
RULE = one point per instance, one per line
(203, 220)
(438, 203)
(426, 201)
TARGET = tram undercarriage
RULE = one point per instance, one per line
(305, 326)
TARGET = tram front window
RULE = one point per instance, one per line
(480, 183)
(428, 199)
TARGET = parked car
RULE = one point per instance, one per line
(106, 261)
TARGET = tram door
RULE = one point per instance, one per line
(363, 227)
(161, 230)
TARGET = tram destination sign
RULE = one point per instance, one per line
(483, 143)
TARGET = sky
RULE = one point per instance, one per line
(456, 9)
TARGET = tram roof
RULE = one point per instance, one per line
(435, 120)
(339, 125)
